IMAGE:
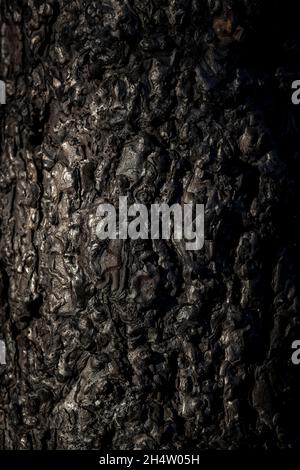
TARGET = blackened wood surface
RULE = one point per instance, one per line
(142, 344)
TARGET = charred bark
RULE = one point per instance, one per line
(141, 344)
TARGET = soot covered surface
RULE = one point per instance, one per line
(141, 344)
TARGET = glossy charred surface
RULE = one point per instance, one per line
(140, 344)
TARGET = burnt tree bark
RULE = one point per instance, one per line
(141, 344)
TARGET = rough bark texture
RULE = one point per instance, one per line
(141, 344)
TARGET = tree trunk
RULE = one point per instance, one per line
(140, 344)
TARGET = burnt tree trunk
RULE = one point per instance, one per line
(142, 344)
